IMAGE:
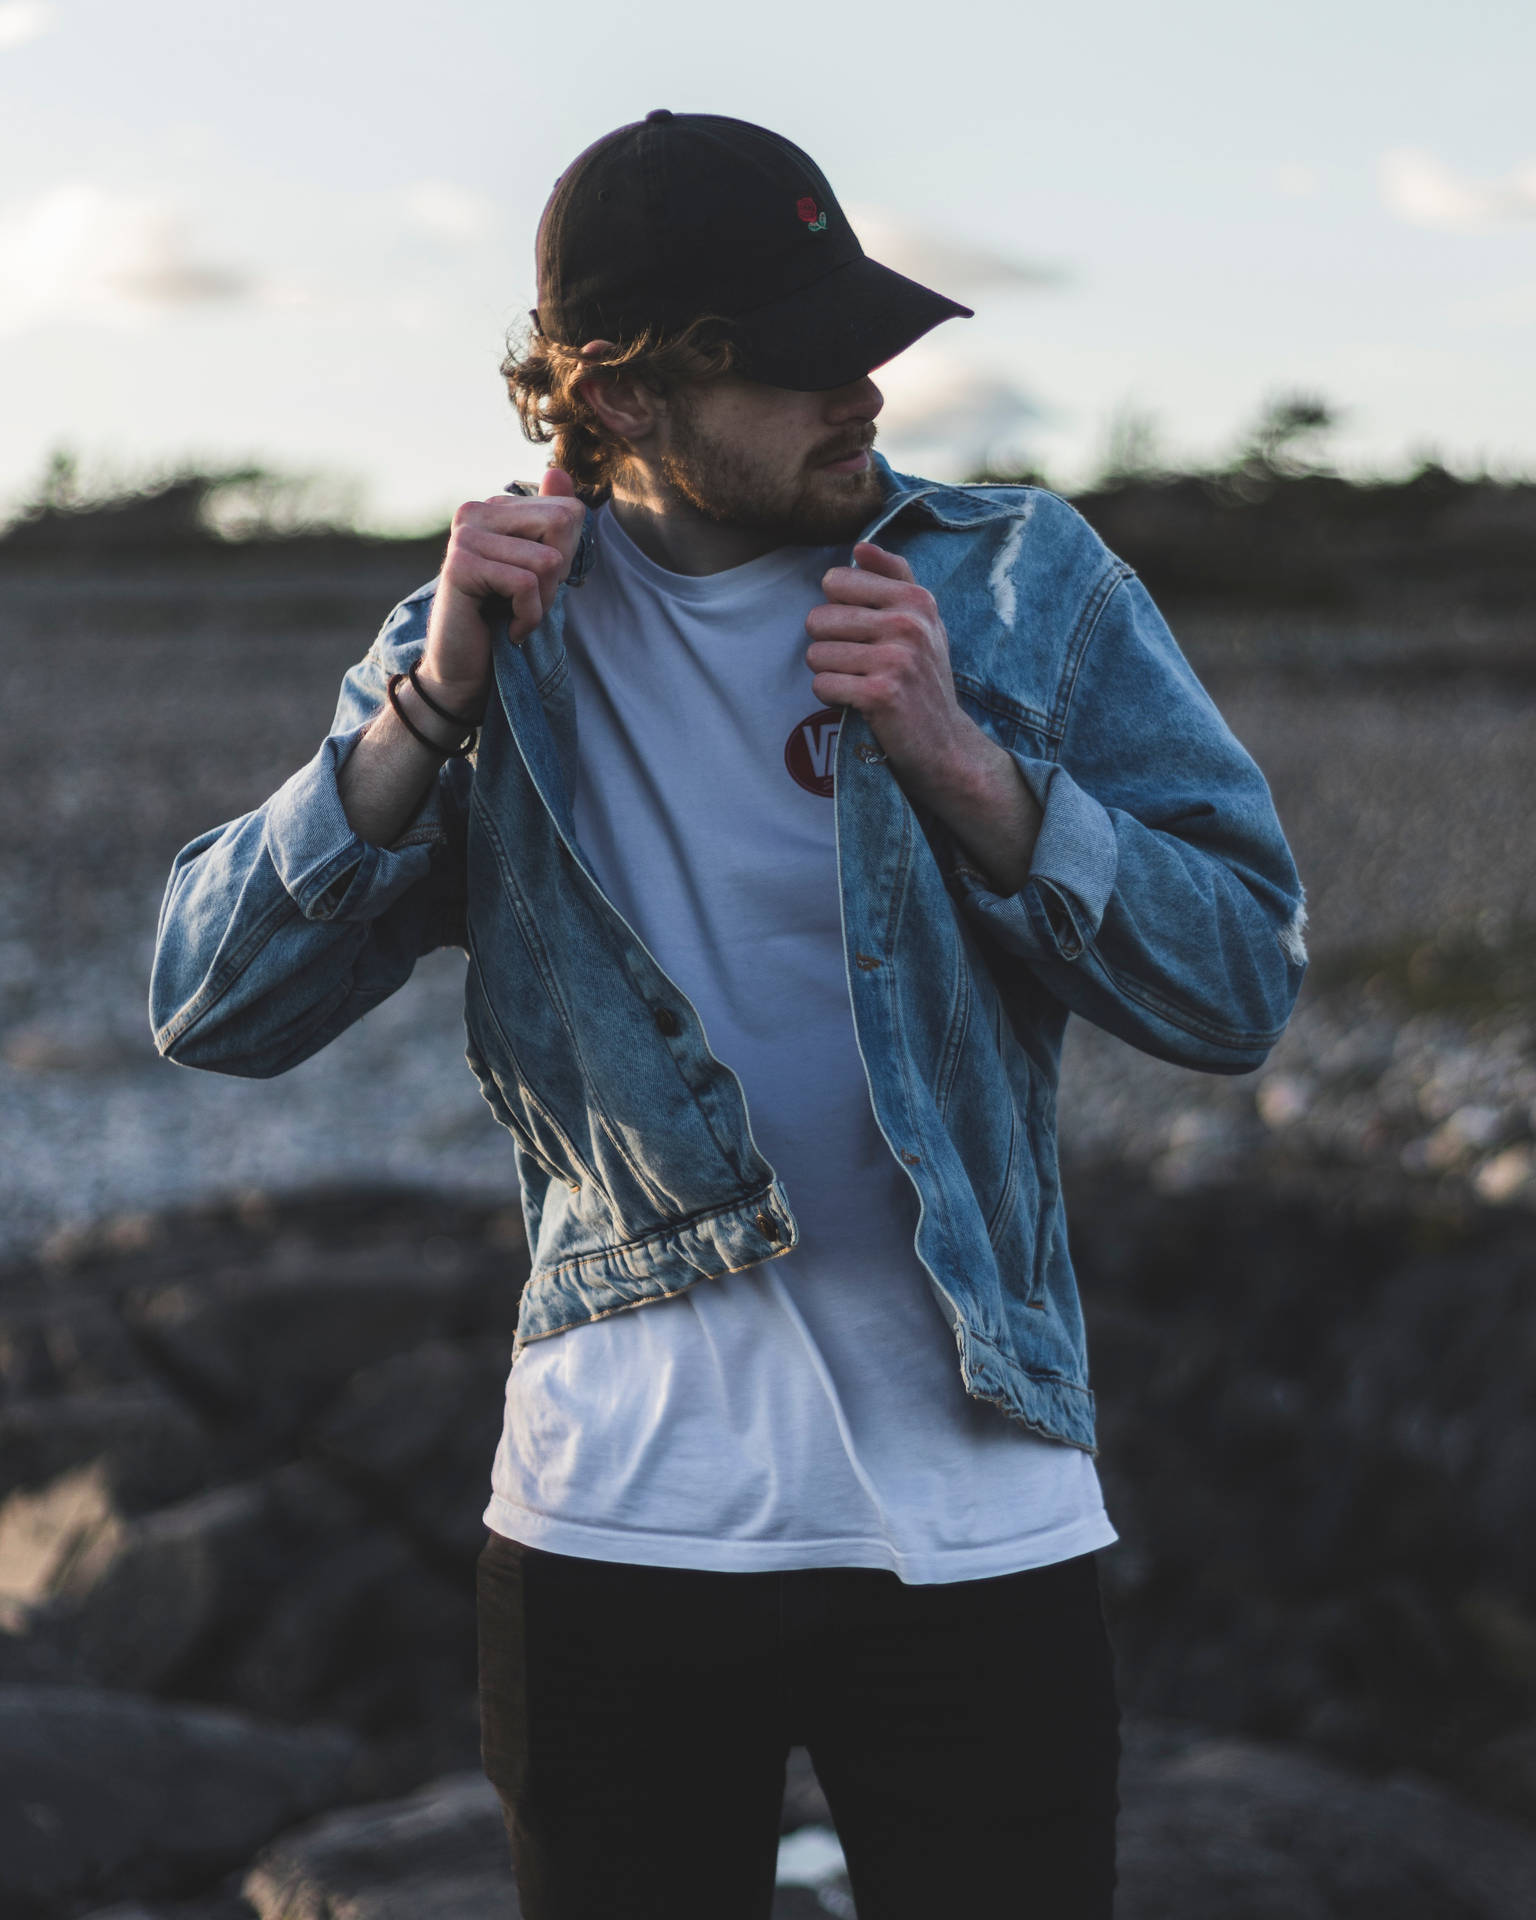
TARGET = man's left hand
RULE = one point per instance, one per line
(879, 645)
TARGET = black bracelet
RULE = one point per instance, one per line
(453, 719)
(445, 753)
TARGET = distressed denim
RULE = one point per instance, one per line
(1162, 904)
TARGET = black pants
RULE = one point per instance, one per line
(636, 1721)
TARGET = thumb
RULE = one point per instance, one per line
(875, 559)
(556, 484)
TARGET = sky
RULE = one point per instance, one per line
(298, 233)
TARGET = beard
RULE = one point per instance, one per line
(808, 507)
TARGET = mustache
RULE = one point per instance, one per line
(845, 448)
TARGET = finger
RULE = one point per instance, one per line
(863, 587)
(544, 518)
(504, 586)
(564, 531)
(530, 546)
(877, 560)
(514, 550)
(834, 620)
(552, 524)
(846, 690)
(557, 484)
(512, 596)
(480, 558)
(845, 656)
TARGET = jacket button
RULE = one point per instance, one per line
(767, 1226)
(668, 1022)
(870, 755)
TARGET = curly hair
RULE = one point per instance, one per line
(543, 379)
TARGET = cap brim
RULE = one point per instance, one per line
(838, 329)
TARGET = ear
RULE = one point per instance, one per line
(626, 407)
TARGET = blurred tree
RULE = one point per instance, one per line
(1133, 448)
(194, 501)
(1286, 438)
(254, 503)
(58, 488)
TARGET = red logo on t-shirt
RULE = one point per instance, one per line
(811, 748)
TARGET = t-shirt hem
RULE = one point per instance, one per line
(1086, 1534)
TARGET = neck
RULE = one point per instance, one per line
(671, 530)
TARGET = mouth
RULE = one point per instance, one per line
(854, 459)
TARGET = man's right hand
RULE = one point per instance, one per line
(509, 551)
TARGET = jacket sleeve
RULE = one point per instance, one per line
(1162, 901)
(280, 929)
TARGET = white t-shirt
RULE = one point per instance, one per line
(808, 1412)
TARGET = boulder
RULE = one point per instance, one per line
(439, 1854)
(1318, 1446)
(419, 1430)
(271, 1345)
(1502, 1775)
(57, 1342)
(144, 1601)
(362, 1632)
(42, 1532)
(105, 1795)
(151, 1448)
(1218, 1828)
(219, 1906)
(278, 1595)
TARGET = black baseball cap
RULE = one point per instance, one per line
(680, 215)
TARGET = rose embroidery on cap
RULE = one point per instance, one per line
(811, 214)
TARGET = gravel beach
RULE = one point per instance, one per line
(146, 707)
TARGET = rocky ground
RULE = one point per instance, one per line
(253, 1336)
(244, 1456)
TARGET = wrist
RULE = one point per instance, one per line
(431, 731)
(981, 797)
(464, 699)
(962, 777)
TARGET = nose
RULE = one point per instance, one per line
(860, 400)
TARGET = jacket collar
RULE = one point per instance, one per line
(951, 507)
(946, 506)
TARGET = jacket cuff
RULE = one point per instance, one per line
(330, 871)
(1071, 875)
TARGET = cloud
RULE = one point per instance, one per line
(953, 265)
(1421, 189)
(1513, 307)
(23, 20)
(953, 417)
(79, 252)
(1295, 181)
(447, 212)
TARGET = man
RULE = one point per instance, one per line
(807, 802)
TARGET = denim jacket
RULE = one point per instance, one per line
(1162, 904)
